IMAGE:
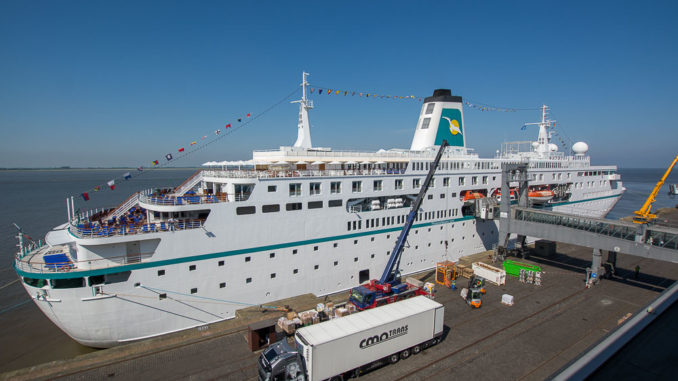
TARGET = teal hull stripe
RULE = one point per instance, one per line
(223, 254)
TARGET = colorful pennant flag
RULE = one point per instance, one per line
(111, 184)
(194, 143)
(127, 176)
(228, 125)
(248, 114)
(168, 156)
(217, 132)
(239, 119)
(97, 188)
(85, 196)
(181, 149)
(203, 137)
(140, 169)
(155, 162)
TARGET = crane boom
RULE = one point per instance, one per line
(644, 215)
(391, 269)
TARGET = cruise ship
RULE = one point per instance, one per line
(298, 219)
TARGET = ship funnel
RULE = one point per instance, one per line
(441, 118)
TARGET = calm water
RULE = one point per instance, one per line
(35, 200)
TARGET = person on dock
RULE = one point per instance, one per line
(637, 272)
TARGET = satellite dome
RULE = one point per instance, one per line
(553, 147)
(580, 148)
(535, 144)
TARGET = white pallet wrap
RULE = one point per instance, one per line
(490, 273)
(337, 346)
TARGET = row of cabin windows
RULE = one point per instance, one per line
(295, 189)
(272, 208)
(452, 165)
(400, 219)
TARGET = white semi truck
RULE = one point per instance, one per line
(349, 345)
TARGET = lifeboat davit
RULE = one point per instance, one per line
(540, 196)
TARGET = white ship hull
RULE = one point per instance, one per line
(275, 234)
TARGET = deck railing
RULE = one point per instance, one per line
(75, 266)
(125, 230)
(183, 200)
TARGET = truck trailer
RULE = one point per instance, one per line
(349, 345)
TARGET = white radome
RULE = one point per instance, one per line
(553, 147)
(580, 148)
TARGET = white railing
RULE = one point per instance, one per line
(75, 266)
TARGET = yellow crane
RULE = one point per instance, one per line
(644, 215)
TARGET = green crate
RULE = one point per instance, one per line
(513, 267)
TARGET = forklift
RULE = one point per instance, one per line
(473, 294)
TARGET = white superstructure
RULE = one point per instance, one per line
(295, 220)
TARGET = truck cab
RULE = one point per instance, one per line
(281, 362)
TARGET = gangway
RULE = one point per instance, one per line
(615, 236)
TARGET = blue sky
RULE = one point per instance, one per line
(96, 83)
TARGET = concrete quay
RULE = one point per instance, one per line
(548, 326)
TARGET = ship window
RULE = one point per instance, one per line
(442, 195)
(372, 256)
(334, 203)
(295, 189)
(399, 184)
(221, 263)
(315, 267)
(248, 280)
(293, 206)
(454, 194)
(118, 277)
(247, 259)
(372, 239)
(363, 276)
(430, 197)
(433, 183)
(67, 283)
(377, 185)
(354, 225)
(160, 273)
(336, 244)
(474, 180)
(222, 284)
(484, 179)
(315, 204)
(245, 210)
(272, 255)
(348, 225)
(462, 180)
(272, 275)
(191, 268)
(162, 296)
(294, 251)
(335, 187)
(430, 107)
(99, 279)
(314, 188)
(315, 248)
(194, 290)
(355, 241)
(416, 183)
(355, 259)
(357, 186)
(336, 263)
(425, 123)
(39, 283)
(270, 208)
(295, 271)
(272, 188)
(446, 181)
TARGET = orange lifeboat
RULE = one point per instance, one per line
(512, 193)
(540, 196)
(470, 196)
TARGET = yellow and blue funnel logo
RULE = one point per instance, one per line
(450, 128)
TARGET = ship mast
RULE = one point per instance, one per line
(304, 127)
(541, 146)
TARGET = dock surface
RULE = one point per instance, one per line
(548, 326)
